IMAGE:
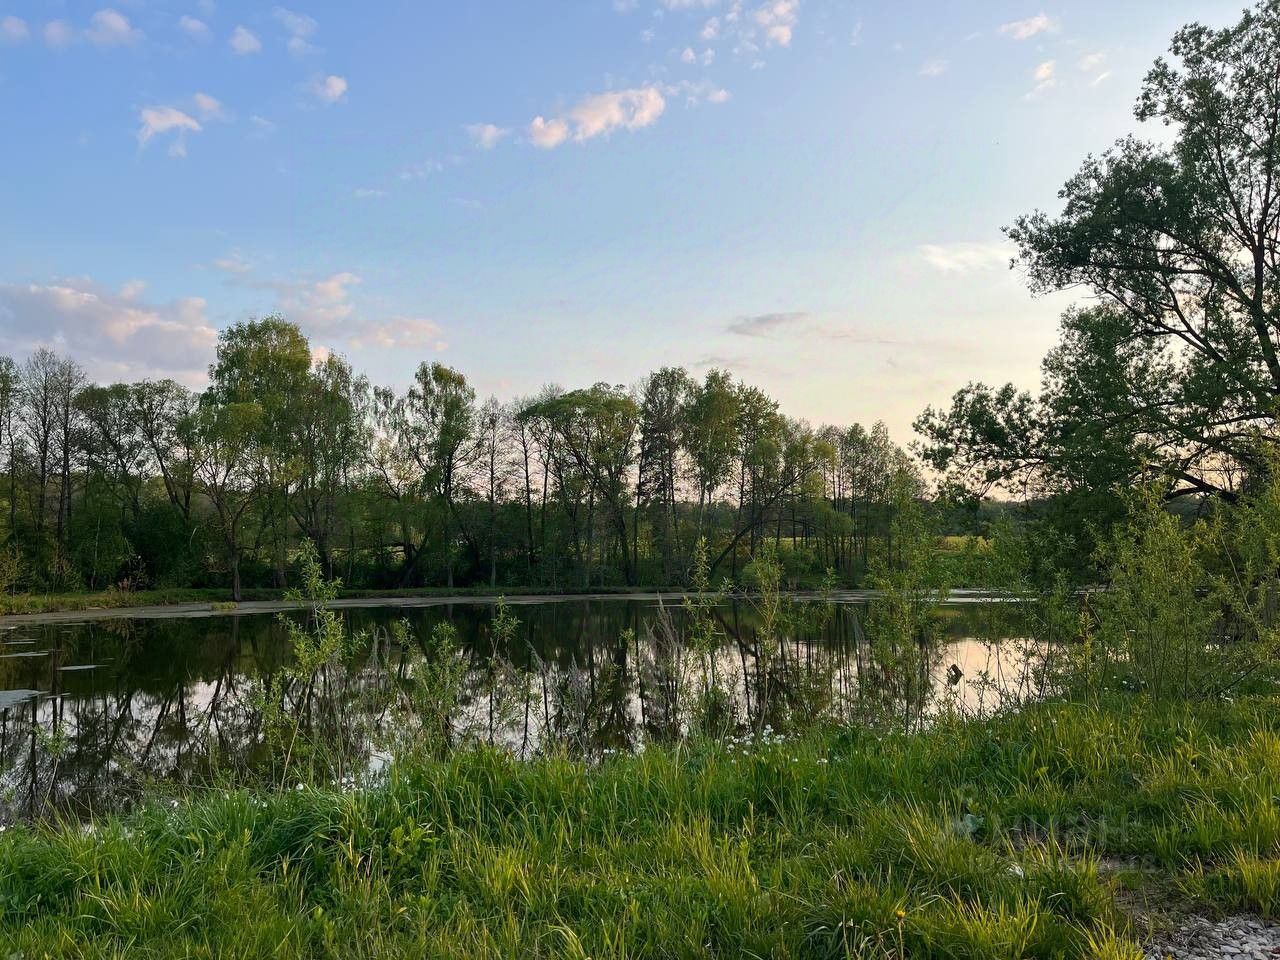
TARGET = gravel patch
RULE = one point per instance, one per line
(1235, 938)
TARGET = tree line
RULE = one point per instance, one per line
(151, 484)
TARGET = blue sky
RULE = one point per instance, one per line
(808, 192)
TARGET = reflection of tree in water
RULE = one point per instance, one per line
(176, 704)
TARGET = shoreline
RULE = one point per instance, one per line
(216, 607)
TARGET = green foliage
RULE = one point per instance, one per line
(1174, 375)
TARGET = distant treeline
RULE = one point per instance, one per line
(150, 484)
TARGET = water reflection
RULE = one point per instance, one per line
(92, 715)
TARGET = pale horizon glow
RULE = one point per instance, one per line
(809, 193)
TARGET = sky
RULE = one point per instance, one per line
(809, 193)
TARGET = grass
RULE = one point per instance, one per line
(973, 840)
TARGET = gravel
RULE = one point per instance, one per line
(1235, 938)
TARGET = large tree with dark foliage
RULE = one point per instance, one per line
(1172, 372)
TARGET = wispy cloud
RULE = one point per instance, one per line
(233, 263)
(766, 324)
(401, 333)
(960, 258)
(14, 30)
(1045, 77)
(934, 68)
(486, 136)
(300, 28)
(209, 108)
(159, 120)
(244, 41)
(1030, 27)
(262, 127)
(799, 325)
(111, 28)
(58, 34)
(193, 27)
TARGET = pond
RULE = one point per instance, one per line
(98, 713)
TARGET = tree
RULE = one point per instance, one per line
(327, 444)
(1175, 371)
(710, 421)
(595, 430)
(663, 408)
(266, 364)
(438, 427)
(228, 474)
(10, 402)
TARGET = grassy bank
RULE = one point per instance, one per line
(1037, 835)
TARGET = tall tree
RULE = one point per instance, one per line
(711, 420)
(1175, 372)
(662, 426)
(439, 424)
(267, 363)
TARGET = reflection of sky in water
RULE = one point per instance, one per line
(89, 711)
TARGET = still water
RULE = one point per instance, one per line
(96, 714)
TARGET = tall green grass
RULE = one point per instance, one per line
(982, 839)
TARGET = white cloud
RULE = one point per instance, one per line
(695, 93)
(403, 333)
(327, 302)
(934, 68)
(1044, 76)
(368, 193)
(297, 24)
(209, 108)
(323, 308)
(244, 41)
(710, 29)
(320, 306)
(194, 28)
(599, 115)
(548, 133)
(13, 30)
(111, 28)
(1028, 28)
(778, 19)
(1090, 61)
(486, 136)
(158, 120)
(687, 4)
(58, 33)
(262, 127)
(1100, 78)
(233, 263)
(331, 89)
(300, 28)
(965, 257)
(688, 56)
(116, 335)
(419, 171)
